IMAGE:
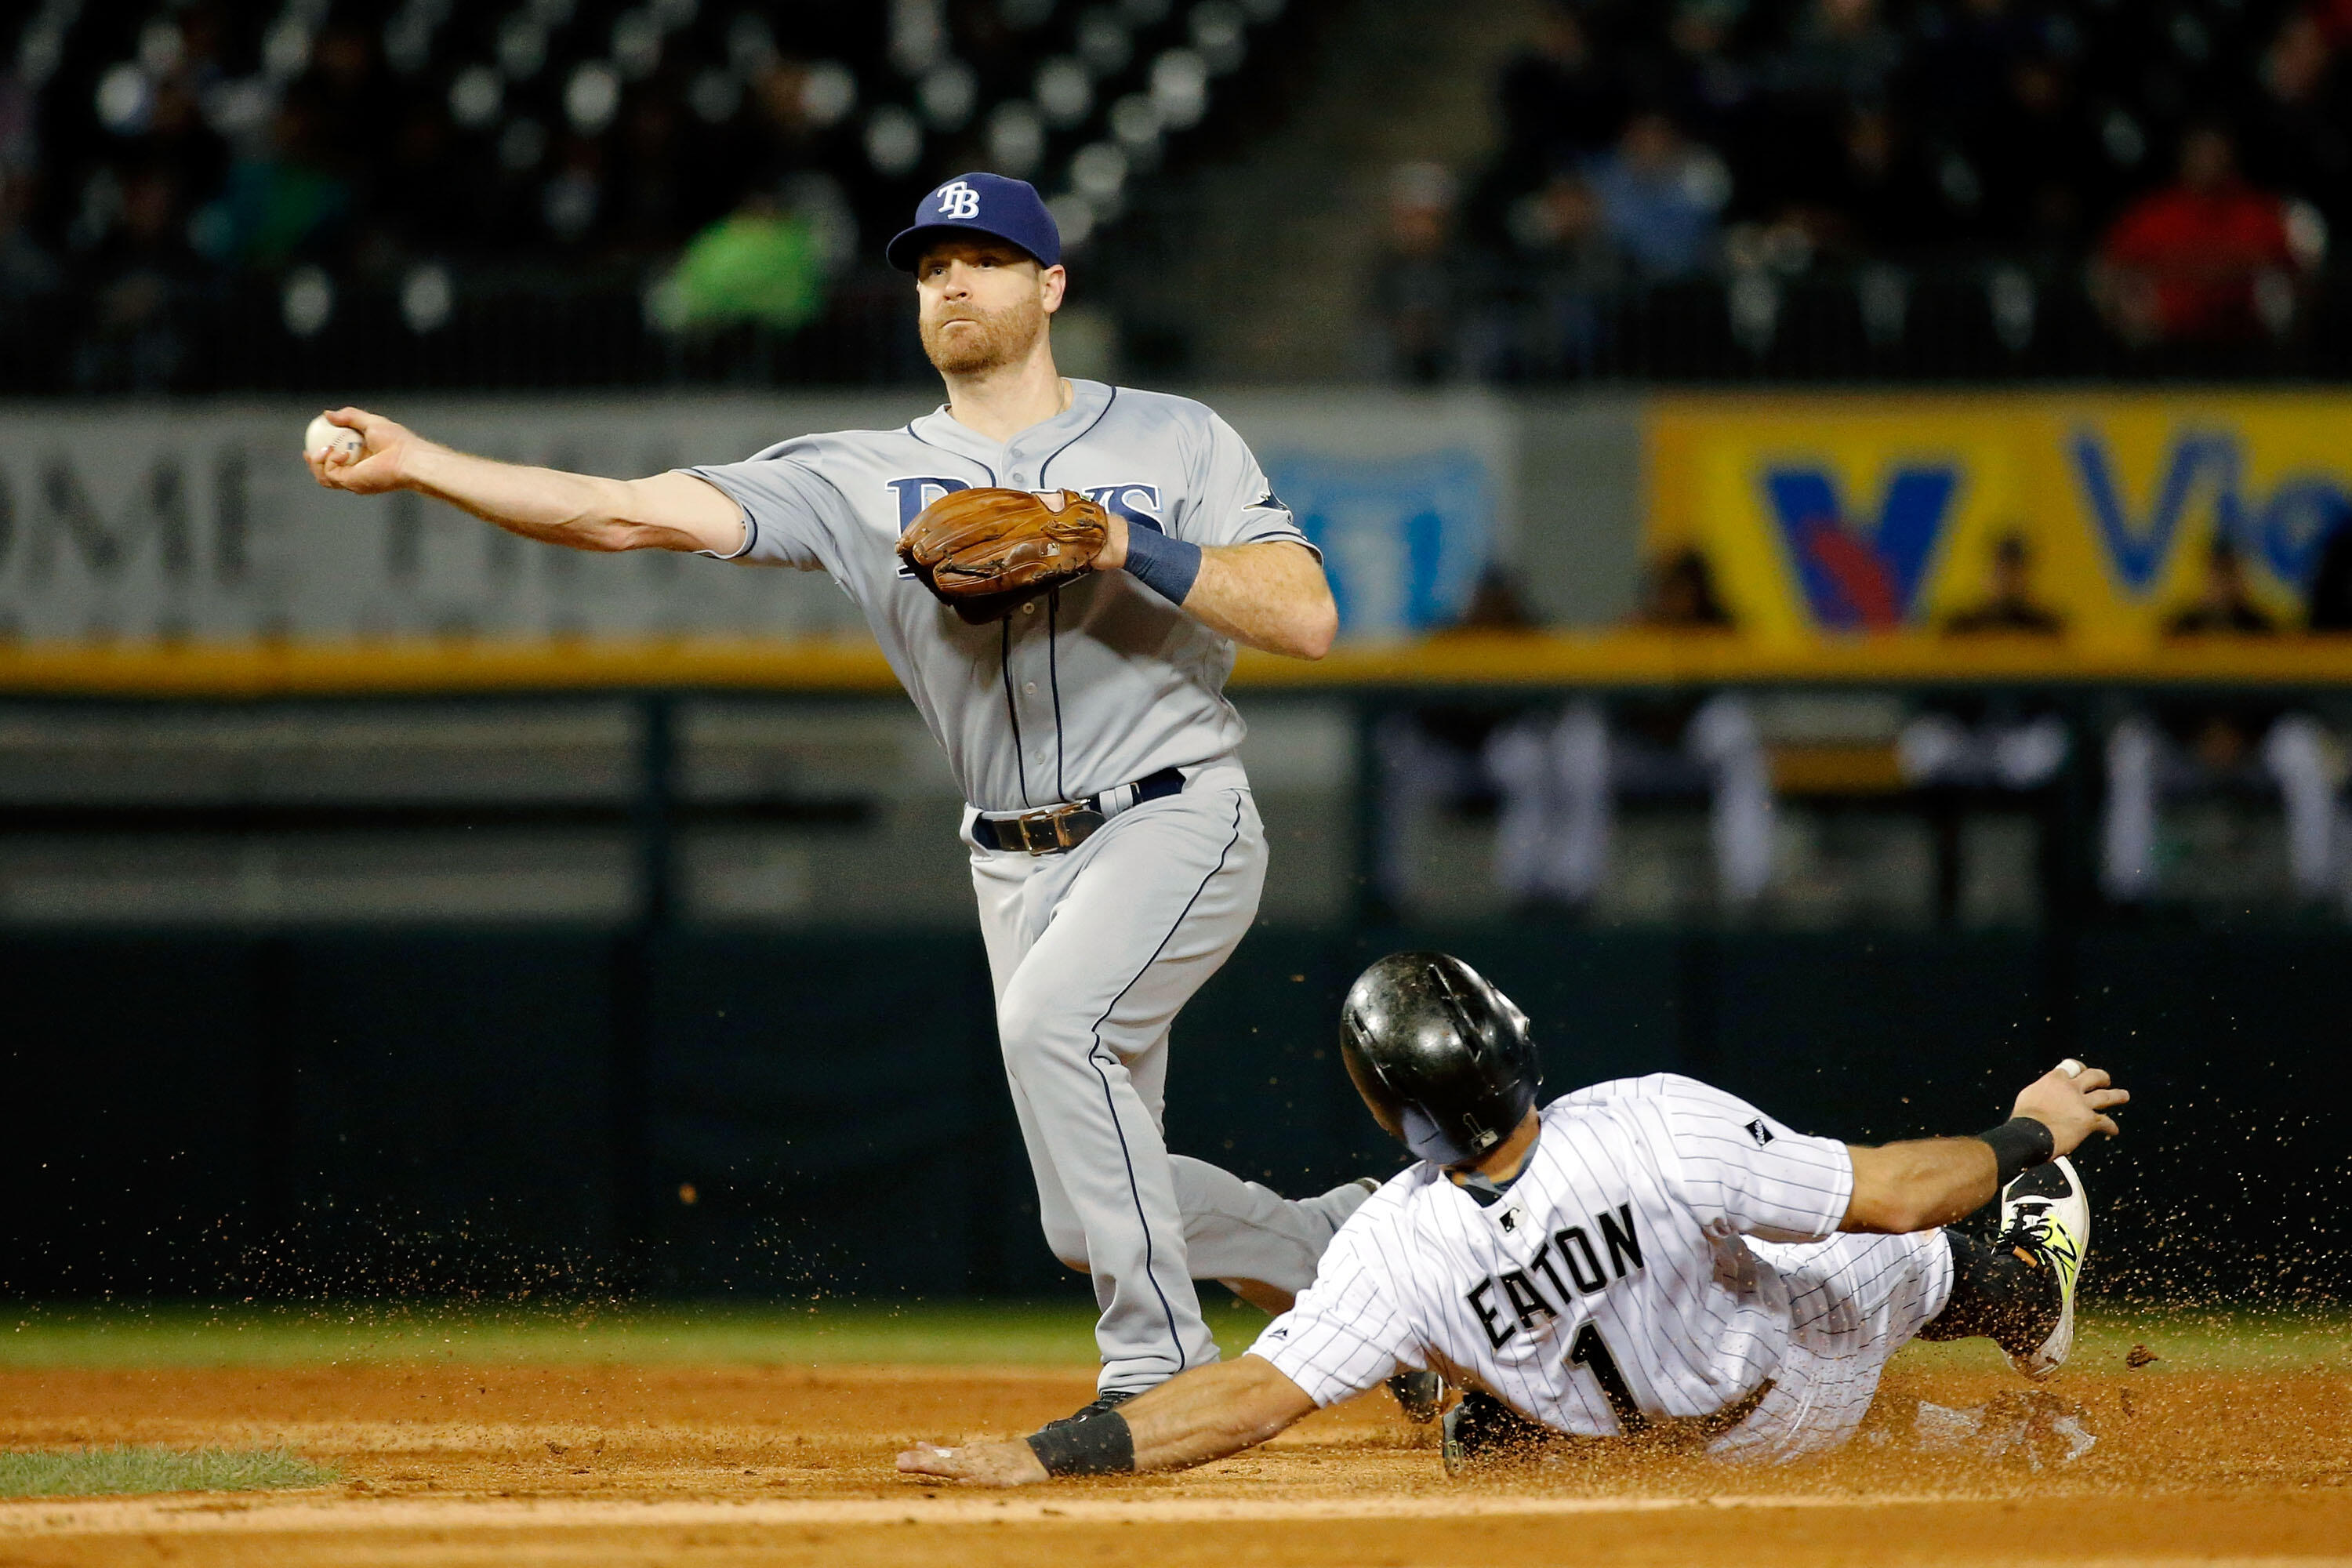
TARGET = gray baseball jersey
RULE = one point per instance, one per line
(1666, 1251)
(1105, 682)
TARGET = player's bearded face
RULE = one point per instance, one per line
(990, 318)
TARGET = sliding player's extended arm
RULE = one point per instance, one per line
(1190, 1419)
(666, 512)
(1927, 1182)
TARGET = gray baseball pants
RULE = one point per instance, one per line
(1092, 953)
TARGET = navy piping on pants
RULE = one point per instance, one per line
(1150, 1270)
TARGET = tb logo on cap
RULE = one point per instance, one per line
(958, 200)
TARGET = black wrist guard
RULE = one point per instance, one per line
(1098, 1446)
(2019, 1145)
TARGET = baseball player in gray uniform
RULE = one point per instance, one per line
(1647, 1258)
(1115, 851)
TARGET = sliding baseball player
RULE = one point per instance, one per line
(1649, 1259)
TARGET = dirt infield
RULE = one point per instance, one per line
(621, 1464)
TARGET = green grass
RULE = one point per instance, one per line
(2197, 1339)
(1013, 1334)
(832, 1333)
(92, 1472)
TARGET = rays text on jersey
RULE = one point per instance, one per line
(1138, 503)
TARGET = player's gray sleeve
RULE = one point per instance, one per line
(1231, 501)
(1741, 1172)
(791, 517)
(1346, 1333)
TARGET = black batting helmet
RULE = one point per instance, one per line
(1441, 1056)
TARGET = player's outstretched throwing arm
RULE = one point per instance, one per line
(666, 511)
(1270, 595)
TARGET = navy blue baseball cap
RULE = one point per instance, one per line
(980, 204)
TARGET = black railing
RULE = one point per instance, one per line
(1986, 322)
(502, 333)
(1990, 322)
(653, 811)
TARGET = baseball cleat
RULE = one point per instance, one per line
(2046, 1220)
(1418, 1395)
(1482, 1429)
(1459, 1446)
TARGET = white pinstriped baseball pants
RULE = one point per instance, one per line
(1092, 953)
(1852, 1302)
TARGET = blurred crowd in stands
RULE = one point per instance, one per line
(157, 155)
(1668, 169)
(2175, 169)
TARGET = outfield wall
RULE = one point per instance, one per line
(369, 1112)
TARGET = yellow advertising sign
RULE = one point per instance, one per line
(1853, 513)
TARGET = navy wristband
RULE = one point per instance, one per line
(1166, 566)
(1098, 1446)
(2019, 1145)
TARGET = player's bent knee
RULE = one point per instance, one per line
(1033, 1027)
(1067, 1241)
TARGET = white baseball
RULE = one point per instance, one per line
(324, 436)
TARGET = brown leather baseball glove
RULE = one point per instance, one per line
(983, 552)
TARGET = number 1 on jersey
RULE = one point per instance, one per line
(1591, 1351)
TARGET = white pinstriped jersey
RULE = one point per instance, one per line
(1614, 1277)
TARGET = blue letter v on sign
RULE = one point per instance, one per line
(2137, 551)
(1857, 576)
